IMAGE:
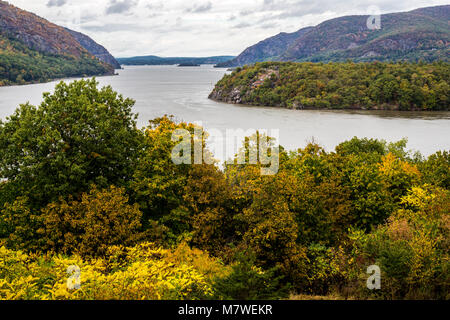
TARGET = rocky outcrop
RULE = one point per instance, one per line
(239, 94)
(234, 96)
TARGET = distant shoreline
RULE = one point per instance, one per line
(60, 79)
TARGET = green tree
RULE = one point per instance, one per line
(78, 136)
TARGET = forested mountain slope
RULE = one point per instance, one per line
(421, 34)
(33, 49)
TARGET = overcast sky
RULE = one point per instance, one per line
(197, 27)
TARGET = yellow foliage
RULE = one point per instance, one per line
(102, 218)
(141, 272)
(391, 166)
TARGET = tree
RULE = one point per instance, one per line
(158, 182)
(101, 218)
(78, 136)
(436, 169)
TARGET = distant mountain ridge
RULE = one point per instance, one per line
(33, 49)
(155, 60)
(421, 34)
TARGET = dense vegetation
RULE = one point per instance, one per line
(20, 64)
(399, 86)
(81, 185)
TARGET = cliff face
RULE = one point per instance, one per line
(94, 48)
(422, 34)
(33, 49)
(37, 33)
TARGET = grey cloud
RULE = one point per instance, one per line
(268, 25)
(200, 8)
(155, 6)
(56, 3)
(164, 28)
(113, 27)
(242, 25)
(246, 13)
(88, 17)
(293, 9)
(116, 6)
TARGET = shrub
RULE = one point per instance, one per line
(412, 249)
(248, 282)
(145, 271)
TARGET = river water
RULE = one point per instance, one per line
(183, 92)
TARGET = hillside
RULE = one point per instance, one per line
(421, 34)
(94, 48)
(155, 60)
(33, 49)
(376, 85)
(266, 50)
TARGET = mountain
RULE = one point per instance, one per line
(155, 60)
(33, 49)
(266, 50)
(94, 48)
(421, 34)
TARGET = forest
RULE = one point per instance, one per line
(82, 188)
(347, 85)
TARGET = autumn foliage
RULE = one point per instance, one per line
(105, 196)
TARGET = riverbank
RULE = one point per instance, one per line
(107, 74)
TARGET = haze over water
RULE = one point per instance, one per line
(183, 92)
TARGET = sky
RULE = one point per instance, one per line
(198, 27)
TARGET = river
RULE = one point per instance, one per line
(183, 92)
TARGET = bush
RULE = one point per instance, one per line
(125, 273)
(248, 282)
(412, 249)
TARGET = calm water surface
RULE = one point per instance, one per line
(183, 92)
